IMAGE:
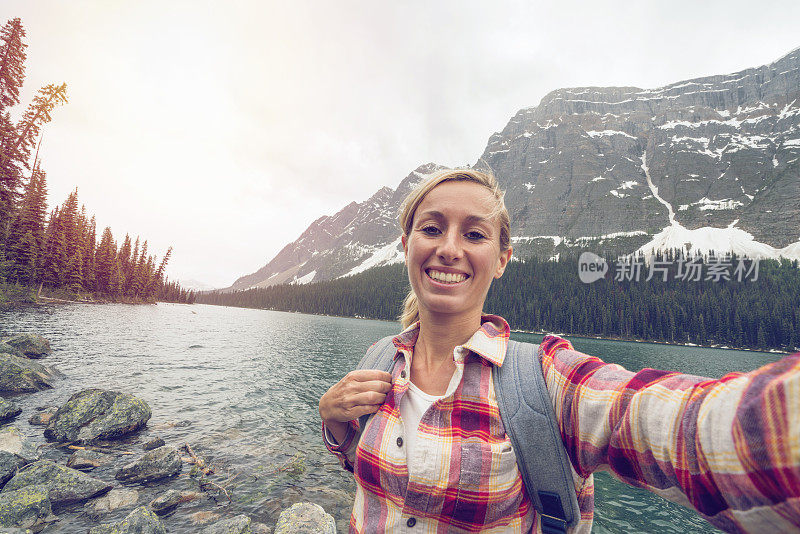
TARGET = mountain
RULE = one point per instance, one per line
(711, 163)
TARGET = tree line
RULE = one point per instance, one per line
(548, 296)
(58, 250)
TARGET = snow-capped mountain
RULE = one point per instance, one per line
(706, 164)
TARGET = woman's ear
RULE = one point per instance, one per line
(505, 257)
(404, 240)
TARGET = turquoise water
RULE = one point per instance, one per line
(241, 387)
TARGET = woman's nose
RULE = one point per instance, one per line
(450, 247)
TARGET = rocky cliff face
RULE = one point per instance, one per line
(709, 163)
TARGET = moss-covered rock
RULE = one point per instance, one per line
(85, 460)
(166, 502)
(140, 521)
(8, 410)
(42, 416)
(5, 348)
(29, 345)
(15, 452)
(159, 463)
(64, 485)
(305, 518)
(21, 375)
(235, 525)
(24, 507)
(94, 414)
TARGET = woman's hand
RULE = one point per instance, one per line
(359, 392)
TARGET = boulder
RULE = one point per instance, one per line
(159, 463)
(42, 416)
(140, 521)
(21, 375)
(15, 531)
(113, 500)
(15, 452)
(8, 410)
(64, 485)
(305, 518)
(24, 507)
(85, 459)
(5, 348)
(29, 345)
(166, 502)
(154, 443)
(235, 525)
(94, 414)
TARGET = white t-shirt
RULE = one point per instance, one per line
(413, 406)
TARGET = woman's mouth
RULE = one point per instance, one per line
(445, 278)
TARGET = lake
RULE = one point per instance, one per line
(241, 387)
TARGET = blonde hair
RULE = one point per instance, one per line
(409, 208)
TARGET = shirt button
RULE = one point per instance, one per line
(411, 522)
(402, 374)
(399, 442)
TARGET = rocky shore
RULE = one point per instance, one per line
(92, 432)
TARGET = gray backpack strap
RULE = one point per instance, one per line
(379, 356)
(530, 422)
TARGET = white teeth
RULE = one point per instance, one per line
(447, 278)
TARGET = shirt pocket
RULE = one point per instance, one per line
(489, 487)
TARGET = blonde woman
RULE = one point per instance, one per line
(435, 456)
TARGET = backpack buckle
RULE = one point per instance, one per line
(552, 525)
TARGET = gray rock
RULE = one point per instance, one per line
(8, 410)
(160, 463)
(85, 459)
(166, 502)
(305, 518)
(21, 375)
(24, 507)
(235, 525)
(42, 416)
(94, 414)
(5, 348)
(15, 531)
(64, 485)
(30, 345)
(154, 443)
(115, 499)
(140, 521)
(15, 452)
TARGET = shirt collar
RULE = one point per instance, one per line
(489, 342)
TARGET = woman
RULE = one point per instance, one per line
(435, 456)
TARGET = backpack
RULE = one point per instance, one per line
(530, 423)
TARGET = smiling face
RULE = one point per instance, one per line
(453, 250)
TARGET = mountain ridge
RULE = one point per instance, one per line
(611, 169)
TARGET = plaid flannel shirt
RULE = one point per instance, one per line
(730, 448)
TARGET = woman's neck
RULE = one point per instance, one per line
(438, 335)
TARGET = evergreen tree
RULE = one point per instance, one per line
(12, 75)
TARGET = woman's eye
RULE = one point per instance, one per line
(430, 230)
(475, 235)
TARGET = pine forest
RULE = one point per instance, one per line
(760, 312)
(58, 251)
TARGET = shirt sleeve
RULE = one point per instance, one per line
(345, 451)
(730, 447)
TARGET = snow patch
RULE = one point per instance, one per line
(384, 255)
(720, 240)
(305, 279)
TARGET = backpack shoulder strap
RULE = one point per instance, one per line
(530, 422)
(379, 356)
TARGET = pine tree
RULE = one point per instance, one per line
(12, 74)
(107, 265)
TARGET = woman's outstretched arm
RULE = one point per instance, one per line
(730, 447)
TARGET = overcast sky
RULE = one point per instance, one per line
(225, 128)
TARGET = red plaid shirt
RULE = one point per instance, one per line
(728, 447)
